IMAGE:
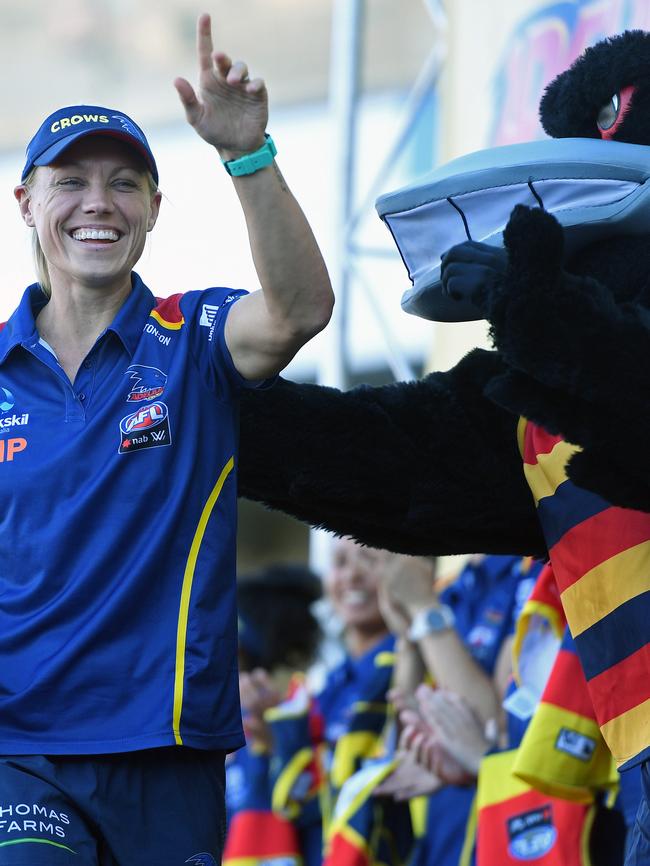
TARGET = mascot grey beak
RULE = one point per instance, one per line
(595, 183)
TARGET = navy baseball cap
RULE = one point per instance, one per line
(67, 125)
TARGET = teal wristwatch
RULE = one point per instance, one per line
(249, 163)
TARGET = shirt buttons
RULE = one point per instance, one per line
(81, 396)
(87, 365)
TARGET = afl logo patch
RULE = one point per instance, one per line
(148, 427)
(531, 834)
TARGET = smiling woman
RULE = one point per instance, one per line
(40, 260)
(352, 584)
(98, 194)
(118, 632)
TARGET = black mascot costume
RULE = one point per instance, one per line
(560, 408)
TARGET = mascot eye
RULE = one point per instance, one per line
(608, 114)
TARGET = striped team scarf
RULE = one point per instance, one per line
(601, 558)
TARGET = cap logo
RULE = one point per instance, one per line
(66, 122)
(128, 126)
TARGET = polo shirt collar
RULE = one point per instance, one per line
(363, 666)
(133, 314)
(20, 327)
(127, 324)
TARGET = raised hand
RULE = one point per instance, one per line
(228, 110)
(408, 582)
(393, 614)
(257, 694)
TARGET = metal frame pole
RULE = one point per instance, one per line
(345, 62)
(345, 54)
(347, 28)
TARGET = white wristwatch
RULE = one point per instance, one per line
(430, 621)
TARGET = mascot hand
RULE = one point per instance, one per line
(535, 245)
(527, 295)
(471, 271)
(566, 331)
(543, 320)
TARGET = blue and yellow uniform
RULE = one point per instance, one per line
(319, 744)
(486, 598)
(117, 538)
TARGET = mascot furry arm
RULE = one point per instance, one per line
(417, 467)
(433, 466)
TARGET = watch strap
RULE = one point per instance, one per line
(432, 620)
(249, 163)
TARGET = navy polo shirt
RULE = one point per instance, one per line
(485, 598)
(344, 686)
(117, 532)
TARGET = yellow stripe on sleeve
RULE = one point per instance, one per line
(385, 659)
(186, 591)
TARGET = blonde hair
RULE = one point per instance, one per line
(38, 256)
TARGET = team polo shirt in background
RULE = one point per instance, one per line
(117, 532)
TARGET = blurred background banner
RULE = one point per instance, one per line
(366, 95)
(500, 57)
(543, 45)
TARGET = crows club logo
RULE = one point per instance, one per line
(147, 427)
(148, 383)
(202, 860)
(128, 126)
